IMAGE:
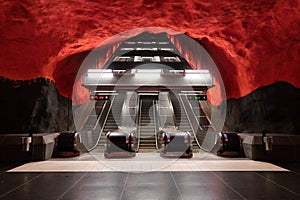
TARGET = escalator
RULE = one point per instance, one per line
(145, 114)
(91, 121)
(147, 127)
(201, 116)
(120, 128)
(182, 121)
(191, 117)
(102, 118)
(199, 111)
(198, 117)
(172, 142)
(113, 119)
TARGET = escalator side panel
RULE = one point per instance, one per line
(129, 110)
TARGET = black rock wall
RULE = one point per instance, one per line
(33, 105)
(274, 108)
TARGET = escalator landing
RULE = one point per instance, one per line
(146, 162)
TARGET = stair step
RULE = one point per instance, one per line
(145, 132)
(150, 142)
(152, 137)
(147, 145)
(147, 128)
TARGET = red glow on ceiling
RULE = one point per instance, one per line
(252, 43)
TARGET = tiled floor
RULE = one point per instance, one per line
(261, 181)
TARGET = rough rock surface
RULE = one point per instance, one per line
(33, 105)
(274, 108)
(253, 43)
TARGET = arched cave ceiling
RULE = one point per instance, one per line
(253, 43)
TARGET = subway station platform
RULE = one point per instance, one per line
(145, 96)
(147, 176)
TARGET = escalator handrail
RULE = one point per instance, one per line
(167, 115)
(198, 124)
(137, 121)
(193, 113)
(95, 126)
(192, 110)
(204, 108)
(170, 103)
(155, 123)
(139, 124)
(102, 128)
(188, 117)
(90, 109)
(101, 113)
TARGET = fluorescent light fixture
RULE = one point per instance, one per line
(149, 70)
(99, 70)
(191, 71)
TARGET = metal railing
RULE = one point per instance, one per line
(205, 109)
(193, 113)
(172, 110)
(139, 125)
(101, 113)
(155, 123)
(89, 108)
(137, 122)
(103, 125)
(190, 122)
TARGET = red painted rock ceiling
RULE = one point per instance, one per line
(253, 43)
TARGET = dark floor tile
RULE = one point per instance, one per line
(288, 180)
(47, 186)
(203, 185)
(98, 186)
(154, 185)
(254, 186)
(10, 181)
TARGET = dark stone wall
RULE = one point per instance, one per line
(33, 105)
(274, 108)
